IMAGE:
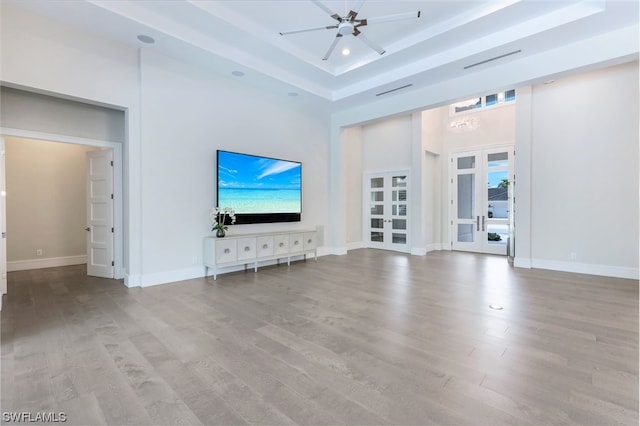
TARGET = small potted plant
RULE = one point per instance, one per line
(220, 218)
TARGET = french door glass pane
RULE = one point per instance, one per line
(497, 233)
(466, 196)
(377, 196)
(498, 159)
(399, 238)
(466, 162)
(465, 233)
(377, 237)
(399, 210)
(377, 223)
(377, 209)
(498, 194)
(400, 195)
(399, 224)
(399, 181)
(377, 182)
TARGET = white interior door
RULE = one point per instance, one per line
(100, 235)
(3, 223)
(481, 183)
(386, 207)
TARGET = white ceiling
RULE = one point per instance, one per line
(244, 35)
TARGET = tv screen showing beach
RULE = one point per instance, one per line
(251, 184)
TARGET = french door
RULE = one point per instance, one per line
(100, 230)
(482, 183)
(386, 206)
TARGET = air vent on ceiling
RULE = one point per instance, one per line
(394, 90)
(493, 59)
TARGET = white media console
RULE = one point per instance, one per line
(254, 248)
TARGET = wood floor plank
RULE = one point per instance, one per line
(372, 337)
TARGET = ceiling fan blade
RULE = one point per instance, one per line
(308, 29)
(365, 40)
(327, 10)
(333, 46)
(356, 7)
(389, 18)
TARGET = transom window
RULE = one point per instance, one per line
(480, 102)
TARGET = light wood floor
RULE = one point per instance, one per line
(372, 337)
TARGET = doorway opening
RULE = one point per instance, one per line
(482, 183)
(60, 208)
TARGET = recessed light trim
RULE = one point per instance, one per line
(496, 307)
(237, 73)
(146, 39)
(293, 94)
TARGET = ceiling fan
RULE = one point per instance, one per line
(349, 25)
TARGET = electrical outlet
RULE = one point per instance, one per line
(38, 252)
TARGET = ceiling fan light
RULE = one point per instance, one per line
(345, 28)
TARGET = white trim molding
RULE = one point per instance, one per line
(49, 262)
(587, 268)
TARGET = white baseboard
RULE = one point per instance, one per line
(323, 251)
(355, 245)
(338, 251)
(49, 262)
(435, 247)
(168, 277)
(198, 271)
(587, 268)
(132, 280)
(520, 262)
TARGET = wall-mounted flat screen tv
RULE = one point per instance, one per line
(259, 189)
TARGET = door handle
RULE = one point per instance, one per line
(87, 229)
(483, 224)
(477, 223)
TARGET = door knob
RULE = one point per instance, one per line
(87, 229)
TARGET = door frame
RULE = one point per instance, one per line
(117, 148)
(366, 175)
(452, 173)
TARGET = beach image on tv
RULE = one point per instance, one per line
(251, 184)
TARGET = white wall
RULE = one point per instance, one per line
(496, 125)
(387, 144)
(353, 174)
(40, 54)
(584, 173)
(381, 146)
(188, 113)
(177, 116)
(45, 56)
(46, 208)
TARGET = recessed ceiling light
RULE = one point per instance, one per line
(346, 51)
(496, 307)
(146, 39)
(292, 94)
(237, 73)
(549, 82)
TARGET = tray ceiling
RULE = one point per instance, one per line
(450, 39)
